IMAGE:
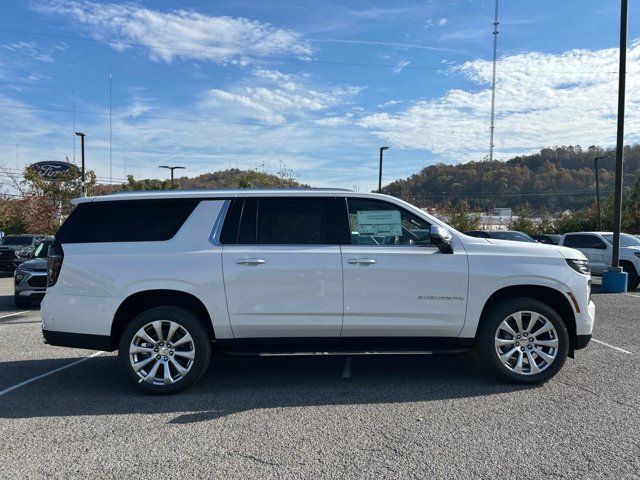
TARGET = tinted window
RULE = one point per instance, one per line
(240, 223)
(286, 221)
(17, 240)
(126, 221)
(571, 241)
(591, 241)
(375, 222)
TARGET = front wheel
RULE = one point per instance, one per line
(523, 340)
(164, 350)
(633, 279)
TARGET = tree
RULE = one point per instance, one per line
(461, 219)
(523, 222)
(40, 205)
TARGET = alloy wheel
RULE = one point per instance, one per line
(526, 342)
(161, 352)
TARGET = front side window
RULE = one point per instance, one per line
(590, 241)
(375, 222)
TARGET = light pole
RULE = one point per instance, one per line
(83, 187)
(598, 191)
(382, 149)
(172, 169)
(614, 280)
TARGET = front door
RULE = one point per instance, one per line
(596, 251)
(282, 267)
(395, 282)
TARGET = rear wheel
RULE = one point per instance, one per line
(633, 280)
(523, 340)
(164, 350)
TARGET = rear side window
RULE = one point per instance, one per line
(286, 221)
(126, 221)
(571, 241)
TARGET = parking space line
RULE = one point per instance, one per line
(11, 315)
(632, 295)
(46, 374)
(611, 346)
(346, 371)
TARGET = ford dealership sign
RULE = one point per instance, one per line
(53, 170)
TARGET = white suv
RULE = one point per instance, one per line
(167, 279)
(598, 248)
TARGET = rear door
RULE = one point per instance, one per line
(282, 266)
(395, 282)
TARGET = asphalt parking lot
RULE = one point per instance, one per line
(321, 417)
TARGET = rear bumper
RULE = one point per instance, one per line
(77, 340)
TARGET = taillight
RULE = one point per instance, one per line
(55, 256)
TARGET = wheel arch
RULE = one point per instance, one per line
(548, 295)
(144, 300)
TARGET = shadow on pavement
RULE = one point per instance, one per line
(237, 384)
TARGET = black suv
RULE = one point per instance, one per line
(15, 249)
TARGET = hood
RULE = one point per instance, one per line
(12, 248)
(535, 249)
(34, 265)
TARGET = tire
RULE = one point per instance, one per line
(633, 280)
(22, 303)
(186, 360)
(537, 363)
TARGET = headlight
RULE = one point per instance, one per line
(637, 254)
(19, 274)
(580, 266)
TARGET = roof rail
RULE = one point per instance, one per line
(198, 190)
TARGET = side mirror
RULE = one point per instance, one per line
(441, 238)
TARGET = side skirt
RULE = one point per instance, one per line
(343, 345)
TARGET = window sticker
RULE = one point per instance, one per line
(379, 222)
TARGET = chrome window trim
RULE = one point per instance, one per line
(214, 238)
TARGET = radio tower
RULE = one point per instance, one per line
(493, 81)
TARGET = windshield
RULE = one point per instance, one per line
(41, 250)
(15, 240)
(516, 236)
(626, 240)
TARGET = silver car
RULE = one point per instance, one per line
(30, 277)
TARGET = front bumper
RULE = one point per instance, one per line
(581, 341)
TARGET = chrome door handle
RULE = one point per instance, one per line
(250, 261)
(361, 261)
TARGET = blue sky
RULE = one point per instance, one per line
(315, 87)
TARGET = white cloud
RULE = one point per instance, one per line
(180, 33)
(443, 21)
(542, 100)
(29, 49)
(280, 97)
(400, 66)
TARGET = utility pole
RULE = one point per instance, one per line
(382, 149)
(493, 81)
(615, 280)
(83, 187)
(172, 169)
